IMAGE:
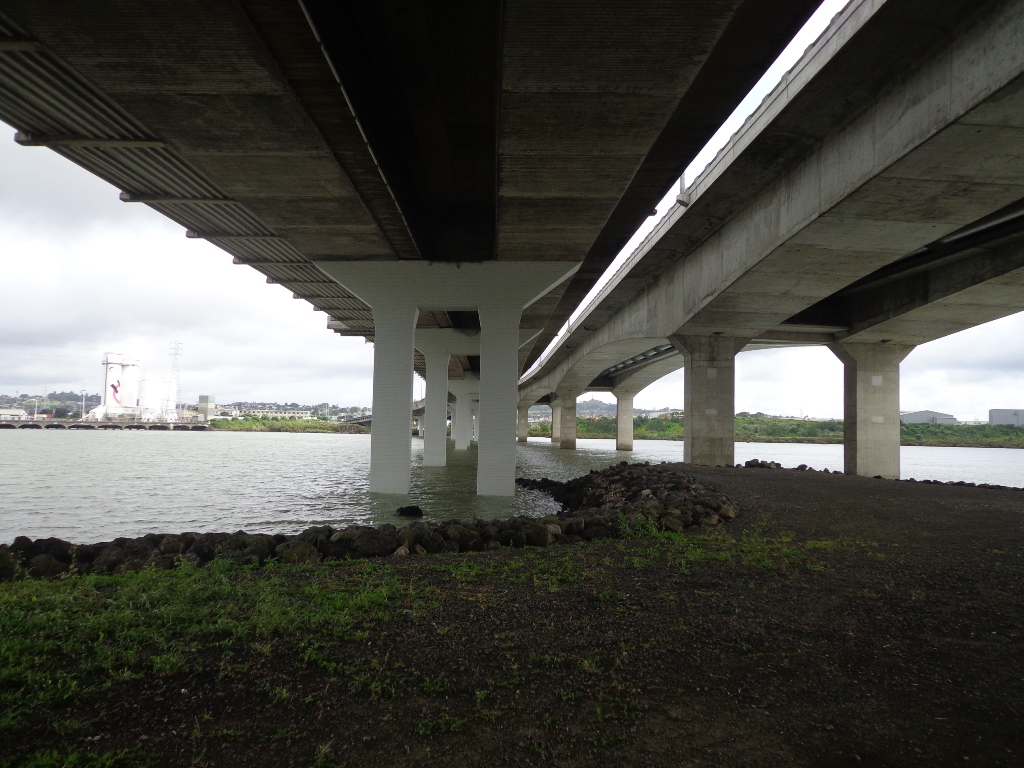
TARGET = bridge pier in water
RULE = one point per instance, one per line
(397, 292)
(567, 417)
(462, 423)
(435, 409)
(390, 451)
(623, 421)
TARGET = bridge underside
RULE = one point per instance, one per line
(895, 219)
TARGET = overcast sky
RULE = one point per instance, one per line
(83, 273)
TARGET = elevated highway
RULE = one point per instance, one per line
(872, 203)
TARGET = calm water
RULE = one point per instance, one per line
(91, 486)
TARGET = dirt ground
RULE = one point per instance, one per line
(889, 631)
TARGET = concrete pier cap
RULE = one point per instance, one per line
(397, 291)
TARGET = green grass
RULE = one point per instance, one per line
(73, 637)
(66, 640)
(440, 725)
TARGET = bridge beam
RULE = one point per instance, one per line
(871, 407)
(709, 397)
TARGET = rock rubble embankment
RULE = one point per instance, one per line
(616, 501)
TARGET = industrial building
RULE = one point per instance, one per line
(927, 417)
(1011, 416)
(207, 407)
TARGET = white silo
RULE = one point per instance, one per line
(129, 394)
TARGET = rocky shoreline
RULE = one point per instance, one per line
(621, 500)
(618, 501)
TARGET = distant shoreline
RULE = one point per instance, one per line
(284, 425)
(762, 429)
(807, 441)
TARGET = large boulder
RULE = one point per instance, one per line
(56, 548)
(172, 545)
(259, 545)
(204, 546)
(467, 538)
(539, 535)
(138, 549)
(110, 558)
(375, 542)
(320, 537)
(46, 566)
(295, 552)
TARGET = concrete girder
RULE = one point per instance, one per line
(949, 299)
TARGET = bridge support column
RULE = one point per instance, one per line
(435, 439)
(498, 291)
(523, 426)
(556, 421)
(567, 417)
(871, 407)
(390, 444)
(462, 425)
(499, 398)
(475, 428)
(624, 422)
(463, 429)
(709, 397)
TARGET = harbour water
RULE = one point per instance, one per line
(93, 486)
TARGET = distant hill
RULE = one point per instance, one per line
(592, 408)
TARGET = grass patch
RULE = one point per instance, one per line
(441, 725)
(73, 637)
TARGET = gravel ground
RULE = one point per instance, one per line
(837, 621)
